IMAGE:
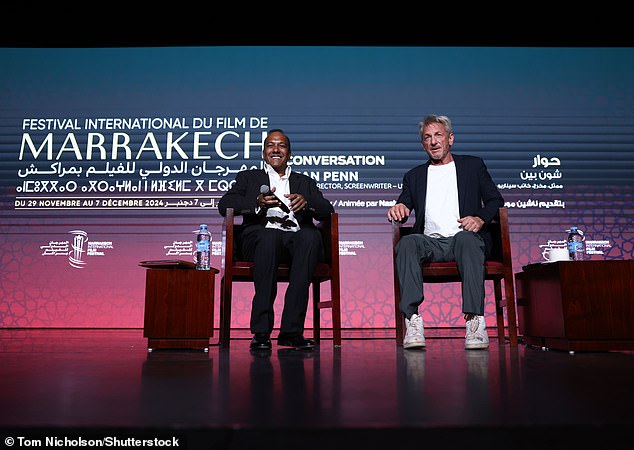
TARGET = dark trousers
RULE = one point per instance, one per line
(267, 247)
(466, 248)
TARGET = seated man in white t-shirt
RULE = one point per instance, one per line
(454, 197)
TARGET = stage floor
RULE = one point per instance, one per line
(368, 394)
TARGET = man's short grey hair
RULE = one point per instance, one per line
(432, 118)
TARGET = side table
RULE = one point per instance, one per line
(577, 305)
(179, 305)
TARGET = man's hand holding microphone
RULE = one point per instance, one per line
(268, 199)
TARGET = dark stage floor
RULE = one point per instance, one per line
(69, 385)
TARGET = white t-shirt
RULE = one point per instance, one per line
(441, 206)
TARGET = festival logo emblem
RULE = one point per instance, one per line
(75, 255)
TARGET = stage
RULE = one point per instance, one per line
(81, 387)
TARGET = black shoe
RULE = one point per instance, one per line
(260, 341)
(295, 341)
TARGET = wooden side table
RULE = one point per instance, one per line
(577, 305)
(179, 305)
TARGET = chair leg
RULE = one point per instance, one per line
(336, 313)
(510, 309)
(400, 328)
(225, 313)
(316, 312)
(334, 305)
(399, 320)
(499, 310)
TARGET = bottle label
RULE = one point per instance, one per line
(202, 246)
(576, 250)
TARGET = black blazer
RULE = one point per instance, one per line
(244, 192)
(477, 193)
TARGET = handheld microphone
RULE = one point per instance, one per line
(266, 191)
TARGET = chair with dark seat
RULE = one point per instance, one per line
(235, 269)
(498, 268)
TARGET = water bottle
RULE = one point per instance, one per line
(576, 246)
(203, 248)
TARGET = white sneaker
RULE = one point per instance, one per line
(476, 336)
(415, 334)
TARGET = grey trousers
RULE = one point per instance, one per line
(466, 248)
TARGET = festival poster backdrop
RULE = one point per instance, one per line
(110, 156)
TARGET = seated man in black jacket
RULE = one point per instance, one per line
(278, 206)
(454, 199)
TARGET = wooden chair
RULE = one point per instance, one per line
(498, 268)
(237, 270)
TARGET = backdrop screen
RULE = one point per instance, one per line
(110, 156)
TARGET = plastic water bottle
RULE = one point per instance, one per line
(576, 246)
(203, 248)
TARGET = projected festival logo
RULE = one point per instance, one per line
(77, 250)
(76, 254)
